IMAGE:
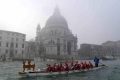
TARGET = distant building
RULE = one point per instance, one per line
(115, 47)
(12, 44)
(30, 49)
(112, 43)
(109, 48)
(91, 50)
(56, 36)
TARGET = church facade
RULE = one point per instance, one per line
(56, 36)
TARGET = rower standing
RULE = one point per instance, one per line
(66, 66)
(24, 66)
(49, 68)
(96, 60)
(76, 66)
(82, 66)
(72, 66)
(54, 67)
(90, 65)
(61, 67)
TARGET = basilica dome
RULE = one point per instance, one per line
(56, 20)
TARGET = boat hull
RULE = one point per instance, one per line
(41, 73)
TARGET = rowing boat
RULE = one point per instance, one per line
(44, 73)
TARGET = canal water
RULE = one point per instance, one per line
(9, 71)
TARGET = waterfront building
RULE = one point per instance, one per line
(12, 44)
(56, 36)
(30, 49)
(109, 48)
(91, 50)
(115, 47)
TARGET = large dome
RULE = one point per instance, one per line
(56, 24)
(56, 20)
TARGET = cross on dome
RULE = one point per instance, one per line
(57, 11)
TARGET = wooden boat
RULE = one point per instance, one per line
(43, 73)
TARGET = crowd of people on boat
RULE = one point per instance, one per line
(68, 66)
(63, 66)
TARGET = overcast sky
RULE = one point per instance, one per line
(94, 21)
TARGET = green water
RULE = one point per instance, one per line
(9, 71)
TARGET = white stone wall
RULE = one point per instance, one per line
(18, 40)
